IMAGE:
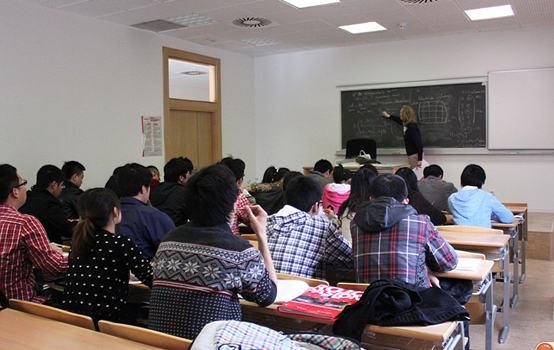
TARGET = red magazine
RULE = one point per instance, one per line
(325, 302)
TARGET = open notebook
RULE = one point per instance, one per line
(468, 264)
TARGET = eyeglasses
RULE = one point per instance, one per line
(23, 183)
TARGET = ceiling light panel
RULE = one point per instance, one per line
(490, 12)
(363, 27)
(309, 3)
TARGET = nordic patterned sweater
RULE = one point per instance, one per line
(198, 272)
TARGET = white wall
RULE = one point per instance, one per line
(298, 104)
(74, 88)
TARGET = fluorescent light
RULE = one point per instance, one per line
(308, 3)
(490, 12)
(363, 27)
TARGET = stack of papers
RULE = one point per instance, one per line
(468, 264)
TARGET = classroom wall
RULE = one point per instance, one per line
(75, 88)
(298, 103)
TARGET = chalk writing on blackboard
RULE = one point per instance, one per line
(449, 116)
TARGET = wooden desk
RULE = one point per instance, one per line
(20, 330)
(484, 275)
(513, 231)
(448, 335)
(521, 209)
(381, 168)
(486, 243)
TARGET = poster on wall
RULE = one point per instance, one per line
(151, 136)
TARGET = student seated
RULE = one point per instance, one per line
(359, 193)
(279, 202)
(471, 206)
(97, 281)
(322, 173)
(74, 175)
(435, 189)
(338, 191)
(270, 188)
(391, 241)
(201, 267)
(416, 199)
(43, 204)
(239, 215)
(155, 177)
(23, 243)
(301, 242)
(145, 225)
(168, 196)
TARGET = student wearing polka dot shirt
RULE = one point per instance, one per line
(97, 281)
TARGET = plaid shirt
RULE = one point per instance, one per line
(24, 245)
(305, 245)
(402, 251)
(240, 214)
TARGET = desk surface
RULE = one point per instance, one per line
(479, 275)
(470, 239)
(25, 331)
(495, 224)
(439, 333)
(516, 208)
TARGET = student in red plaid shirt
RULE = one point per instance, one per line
(24, 244)
(391, 241)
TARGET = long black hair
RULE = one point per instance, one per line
(95, 207)
(359, 191)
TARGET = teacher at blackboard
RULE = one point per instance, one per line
(412, 135)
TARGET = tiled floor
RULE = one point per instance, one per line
(531, 322)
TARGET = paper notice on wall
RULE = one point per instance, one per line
(151, 136)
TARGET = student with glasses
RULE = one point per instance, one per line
(24, 244)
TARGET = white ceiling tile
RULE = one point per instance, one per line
(438, 12)
(56, 3)
(226, 14)
(310, 28)
(262, 8)
(290, 16)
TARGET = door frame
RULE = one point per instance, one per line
(197, 106)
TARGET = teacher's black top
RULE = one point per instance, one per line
(412, 138)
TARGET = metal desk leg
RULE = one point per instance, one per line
(505, 304)
(515, 249)
(456, 341)
(523, 233)
(489, 313)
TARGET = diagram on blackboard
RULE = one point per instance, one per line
(433, 112)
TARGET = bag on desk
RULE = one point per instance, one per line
(364, 158)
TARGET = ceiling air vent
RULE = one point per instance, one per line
(251, 22)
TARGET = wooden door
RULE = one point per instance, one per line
(189, 133)
(192, 129)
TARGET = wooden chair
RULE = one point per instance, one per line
(144, 335)
(311, 281)
(53, 313)
(474, 306)
(249, 236)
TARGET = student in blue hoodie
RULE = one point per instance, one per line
(471, 206)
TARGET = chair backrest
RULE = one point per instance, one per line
(354, 286)
(144, 335)
(312, 282)
(53, 313)
(468, 229)
(354, 146)
(249, 236)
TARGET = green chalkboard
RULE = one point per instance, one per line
(449, 116)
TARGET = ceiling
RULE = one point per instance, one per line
(312, 28)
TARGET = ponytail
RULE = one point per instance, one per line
(83, 238)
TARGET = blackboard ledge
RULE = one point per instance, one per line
(454, 151)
